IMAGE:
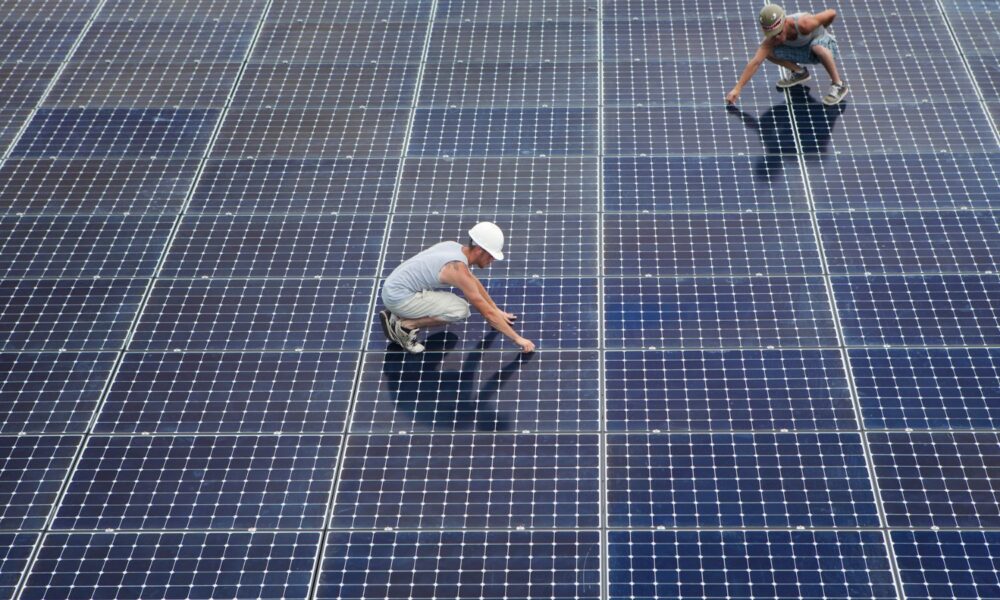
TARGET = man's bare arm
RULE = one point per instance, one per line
(808, 23)
(459, 275)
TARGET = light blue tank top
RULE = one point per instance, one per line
(421, 272)
(804, 39)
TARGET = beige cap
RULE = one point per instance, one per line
(772, 18)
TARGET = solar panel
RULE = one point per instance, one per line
(22, 85)
(151, 84)
(32, 468)
(498, 132)
(187, 41)
(326, 86)
(38, 42)
(14, 560)
(324, 42)
(953, 564)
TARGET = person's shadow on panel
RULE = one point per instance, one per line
(448, 399)
(814, 122)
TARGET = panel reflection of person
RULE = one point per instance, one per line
(412, 301)
(791, 41)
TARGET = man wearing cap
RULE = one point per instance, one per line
(412, 301)
(791, 41)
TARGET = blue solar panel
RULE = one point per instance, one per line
(948, 564)
(48, 10)
(514, 10)
(32, 469)
(38, 41)
(938, 479)
(748, 564)
(468, 481)
(14, 560)
(928, 388)
(498, 132)
(22, 85)
(564, 41)
(657, 83)
(254, 314)
(326, 86)
(665, 130)
(349, 11)
(245, 392)
(186, 41)
(739, 480)
(731, 390)
(51, 392)
(561, 565)
(137, 85)
(447, 390)
(225, 482)
(510, 84)
(188, 10)
(672, 40)
(324, 42)
(193, 565)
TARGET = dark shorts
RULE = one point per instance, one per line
(804, 55)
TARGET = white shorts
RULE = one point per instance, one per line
(431, 303)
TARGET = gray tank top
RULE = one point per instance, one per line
(421, 272)
(804, 39)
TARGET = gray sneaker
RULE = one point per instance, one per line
(794, 79)
(837, 93)
(395, 332)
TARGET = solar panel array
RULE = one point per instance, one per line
(768, 338)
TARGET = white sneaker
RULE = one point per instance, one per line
(395, 332)
(794, 79)
(837, 93)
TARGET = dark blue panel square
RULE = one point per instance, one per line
(226, 482)
(734, 38)
(501, 185)
(551, 41)
(136, 85)
(70, 314)
(32, 469)
(293, 186)
(703, 83)
(717, 313)
(704, 130)
(514, 10)
(534, 245)
(910, 242)
(986, 72)
(276, 246)
(445, 391)
(15, 550)
(909, 181)
(749, 564)
(350, 10)
(325, 42)
(938, 479)
(976, 19)
(929, 310)
(731, 390)
(553, 313)
(255, 314)
(873, 83)
(899, 44)
(157, 10)
(469, 481)
(205, 40)
(22, 85)
(561, 565)
(51, 392)
(326, 86)
(39, 41)
(82, 246)
(95, 186)
(739, 480)
(11, 121)
(293, 392)
(311, 133)
(499, 132)
(718, 183)
(932, 388)
(85, 132)
(510, 85)
(48, 10)
(173, 565)
(948, 564)
(698, 244)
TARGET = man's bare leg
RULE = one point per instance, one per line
(422, 323)
(790, 65)
(826, 57)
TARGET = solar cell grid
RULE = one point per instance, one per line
(468, 481)
(731, 390)
(70, 314)
(499, 132)
(683, 83)
(245, 392)
(51, 392)
(321, 42)
(565, 41)
(39, 41)
(938, 479)
(289, 185)
(32, 469)
(275, 246)
(158, 41)
(349, 10)
(446, 391)
(685, 131)
(903, 84)
(22, 85)
(15, 551)
(47, 10)
(722, 244)
(673, 40)
(738, 480)
(461, 564)
(948, 564)
(197, 565)
(534, 246)
(224, 482)
(254, 314)
(150, 85)
(749, 564)
(181, 10)
(311, 133)
(928, 388)
(82, 246)
(510, 84)
(515, 10)
(11, 120)
(326, 86)
(986, 73)
(497, 185)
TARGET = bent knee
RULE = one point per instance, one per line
(458, 312)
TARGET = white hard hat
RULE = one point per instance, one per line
(488, 236)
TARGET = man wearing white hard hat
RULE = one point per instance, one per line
(413, 302)
(792, 41)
